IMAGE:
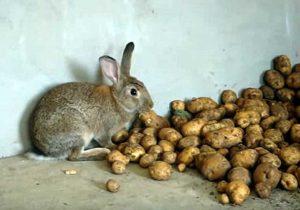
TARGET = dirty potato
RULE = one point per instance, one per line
(274, 135)
(246, 118)
(245, 158)
(188, 141)
(151, 119)
(270, 158)
(289, 182)
(169, 157)
(269, 122)
(177, 105)
(293, 80)
(116, 155)
(186, 156)
(199, 104)
(148, 141)
(237, 191)
(252, 93)
(166, 146)
(212, 114)
(214, 166)
(193, 127)
(146, 160)
(285, 94)
(160, 170)
(225, 123)
(282, 63)
(118, 167)
(268, 92)
(291, 154)
(274, 79)
(266, 172)
(239, 173)
(169, 134)
(295, 133)
(253, 136)
(228, 96)
(150, 131)
(135, 138)
(263, 189)
(178, 121)
(120, 136)
(134, 152)
(284, 126)
(231, 109)
(112, 185)
(224, 137)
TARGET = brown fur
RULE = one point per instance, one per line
(70, 115)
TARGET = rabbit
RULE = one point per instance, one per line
(70, 115)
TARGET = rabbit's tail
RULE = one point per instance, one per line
(35, 156)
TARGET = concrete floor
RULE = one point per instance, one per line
(29, 184)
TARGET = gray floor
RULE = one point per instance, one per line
(28, 184)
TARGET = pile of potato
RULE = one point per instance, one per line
(246, 143)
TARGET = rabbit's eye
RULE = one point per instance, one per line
(133, 92)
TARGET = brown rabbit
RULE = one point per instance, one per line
(70, 115)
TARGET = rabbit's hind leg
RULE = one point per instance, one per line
(78, 154)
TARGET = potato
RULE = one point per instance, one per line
(289, 182)
(246, 118)
(155, 150)
(268, 144)
(279, 110)
(225, 123)
(166, 146)
(269, 122)
(263, 189)
(177, 105)
(186, 156)
(274, 79)
(223, 198)
(231, 109)
(169, 157)
(266, 172)
(112, 186)
(181, 167)
(270, 158)
(293, 80)
(223, 151)
(291, 169)
(207, 149)
(224, 137)
(237, 191)
(274, 135)
(283, 144)
(253, 136)
(259, 106)
(199, 104)
(122, 146)
(148, 141)
(228, 96)
(261, 151)
(116, 155)
(285, 94)
(135, 130)
(239, 173)
(252, 93)
(169, 134)
(268, 92)
(284, 126)
(118, 167)
(221, 186)
(150, 131)
(193, 127)
(233, 150)
(214, 166)
(245, 158)
(295, 133)
(188, 141)
(134, 152)
(146, 160)
(297, 67)
(283, 64)
(212, 114)
(160, 170)
(135, 138)
(151, 119)
(178, 121)
(120, 136)
(290, 155)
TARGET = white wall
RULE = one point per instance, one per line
(183, 48)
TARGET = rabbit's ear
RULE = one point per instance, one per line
(110, 68)
(126, 59)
